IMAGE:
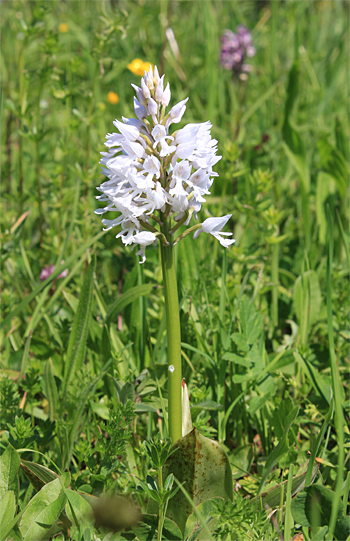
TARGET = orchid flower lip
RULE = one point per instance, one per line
(155, 173)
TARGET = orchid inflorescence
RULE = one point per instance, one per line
(150, 170)
(235, 47)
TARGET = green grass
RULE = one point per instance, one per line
(264, 325)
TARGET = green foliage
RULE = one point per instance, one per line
(9, 398)
(240, 520)
(264, 325)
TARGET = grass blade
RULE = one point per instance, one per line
(127, 298)
(78, 336)
(51, 390)
(337, 388)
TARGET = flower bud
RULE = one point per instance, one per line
(166, 96)
(159, 90)
(145, 90)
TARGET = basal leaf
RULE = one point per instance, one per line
(204, 467)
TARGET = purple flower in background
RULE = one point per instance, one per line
(48, 270)
(235, 47)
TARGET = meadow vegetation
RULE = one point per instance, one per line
(264, 323)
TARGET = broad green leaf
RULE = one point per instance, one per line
(7, 509)
(342, 528)
(280, 449)
(51, 390)
(78, 510)
(127, 298)
(127, 393)
(9, 465)
(41, 526)
(37, 474)
(241, 459)
(205, 468)
(147, 529)
(79, 333)
(313, 507)
(194, 529)
(48, 495)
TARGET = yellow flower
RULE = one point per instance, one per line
(138, 67)
(112, 97)
(63, 28)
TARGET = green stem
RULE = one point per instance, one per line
(161, 506)
(275, 280)
(173, 335)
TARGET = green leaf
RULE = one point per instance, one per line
(7, 509)
(37, 474)
(42, 511)
(280, 449)
(78, 510)
(51, 390)
(147, 529)
(307, 294)
(313, 508)
(142, 407)
(293, 144)
(205, 469)
(127, 393)
(79, 334)
(325, 190)
(251, 321)
(241, 459)
(342, 528)
(43, 523)
(208, 405)
(127, 298)
(334, 163)
(272, 497)
(317, 380)
(9, 465)
(194, 529)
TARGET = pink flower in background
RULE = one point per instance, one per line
(48, 270)
(234, 50)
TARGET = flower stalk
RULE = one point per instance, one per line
(173, 336)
